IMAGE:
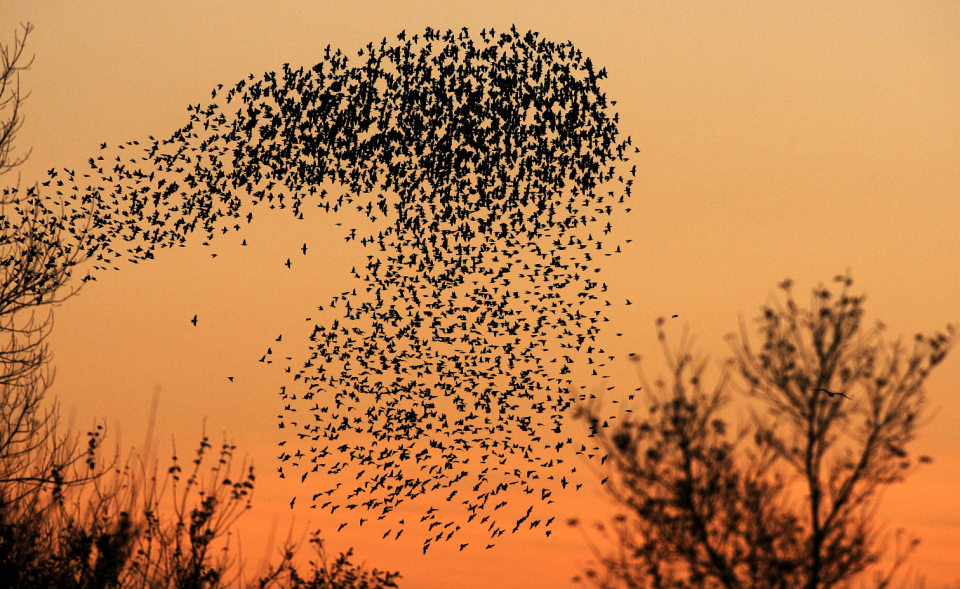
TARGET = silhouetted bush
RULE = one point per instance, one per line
(100, 536)
(341, 573)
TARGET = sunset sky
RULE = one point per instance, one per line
(776, 140)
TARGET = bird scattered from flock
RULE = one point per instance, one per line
(492, 163)
(830, 393)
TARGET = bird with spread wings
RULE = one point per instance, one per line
(830, 393)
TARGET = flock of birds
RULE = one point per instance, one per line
(480, 167)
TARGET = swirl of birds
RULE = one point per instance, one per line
(483, 162)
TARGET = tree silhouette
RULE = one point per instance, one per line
(701, 510)
(34, 266)
(39, 539)
(10, 98)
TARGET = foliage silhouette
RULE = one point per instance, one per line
(119, 537)
(701, 510)
(341, 573)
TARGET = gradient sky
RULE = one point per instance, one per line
(777, 140)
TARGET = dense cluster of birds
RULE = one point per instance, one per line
(485, 170)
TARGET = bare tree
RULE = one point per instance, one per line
(704, 511)
(34, 266)
(37, 464)
(10, 98)
(35, 259)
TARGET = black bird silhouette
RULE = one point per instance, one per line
(480, 292)
(830, 393)
(194, 321)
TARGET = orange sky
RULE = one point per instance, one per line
(776, 140)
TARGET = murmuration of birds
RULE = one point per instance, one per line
(485, 169)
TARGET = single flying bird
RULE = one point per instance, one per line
(830, 393)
